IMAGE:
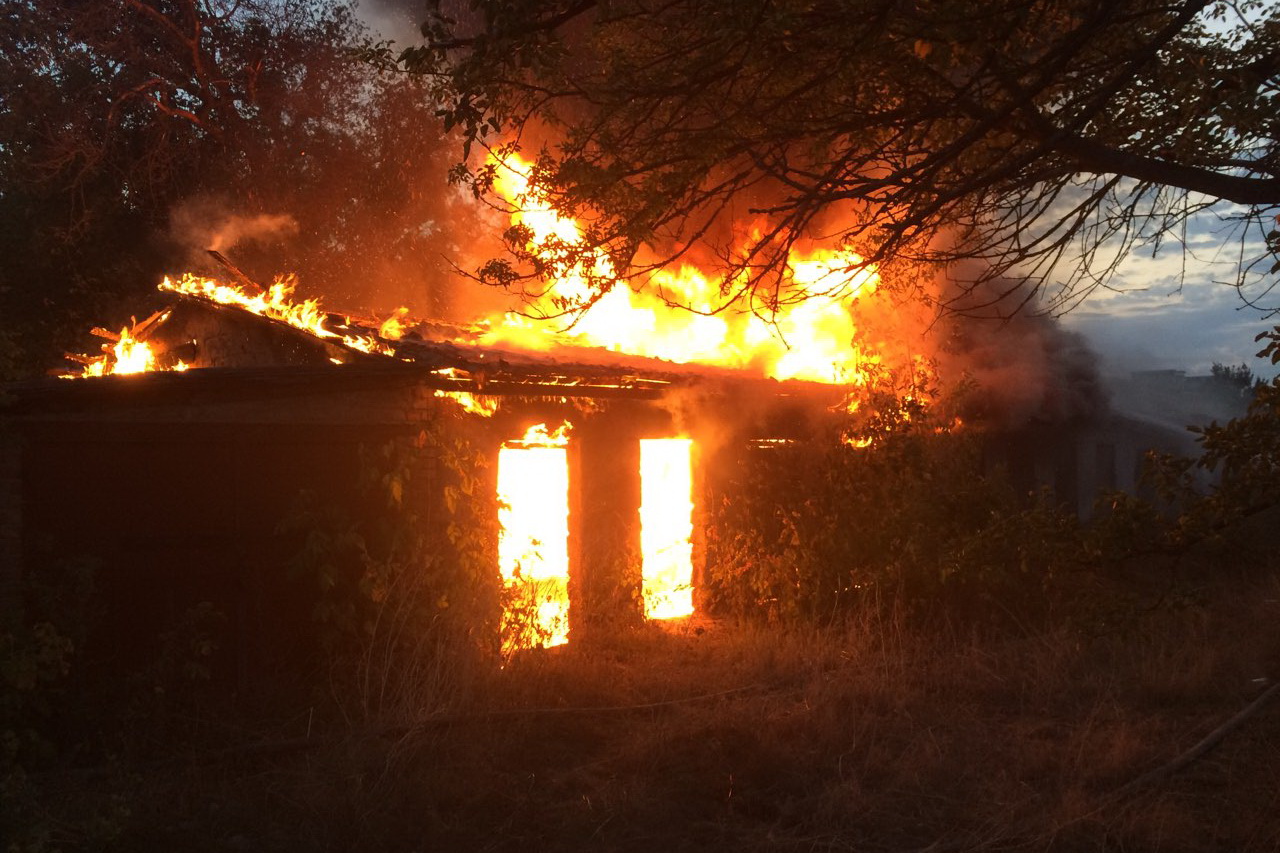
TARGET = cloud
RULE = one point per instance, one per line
(1185, 333)
(1176, 309)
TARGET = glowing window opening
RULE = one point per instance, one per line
(666, 526)
(533, 544)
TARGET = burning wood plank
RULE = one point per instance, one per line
(236, 273)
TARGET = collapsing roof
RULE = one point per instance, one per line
(213, 325)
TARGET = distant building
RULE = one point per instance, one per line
(1150, 410)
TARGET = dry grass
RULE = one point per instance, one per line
(875, 736)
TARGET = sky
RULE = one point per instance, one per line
(1173, 311)
(1178, 310)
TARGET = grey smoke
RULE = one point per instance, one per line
(1022, 369)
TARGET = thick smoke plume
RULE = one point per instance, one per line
(1014, 368)
(1019, 371)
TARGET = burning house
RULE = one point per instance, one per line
(201, 424)
(173, 465)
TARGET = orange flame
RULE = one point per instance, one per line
(484, 405)
(126, 355)
(392, 328)
(275, 302)
(533, 549)
(814, 338)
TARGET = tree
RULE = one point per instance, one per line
(135, 131)
(1041, 139)
(1238, 376)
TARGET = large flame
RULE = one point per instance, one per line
(813, 338)
(533, 545)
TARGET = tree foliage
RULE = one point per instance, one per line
(135, 131)
(1041, 139)
(1236, 375)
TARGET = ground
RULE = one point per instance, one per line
(879, 734)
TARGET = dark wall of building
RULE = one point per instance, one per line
(169, 518)
(1074, 464)
(174, 507)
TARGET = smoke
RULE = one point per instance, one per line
(395, 20)
(235, 230)
(1019, 370)
(203, 224)
(718, 414)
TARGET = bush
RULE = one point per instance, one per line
(807, 529)
(403, 602)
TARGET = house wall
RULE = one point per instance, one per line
(173, 488)
(604, 525)
(170, 494)
(1076, 463)
(10, 523)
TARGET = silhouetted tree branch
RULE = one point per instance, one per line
(1041, 139)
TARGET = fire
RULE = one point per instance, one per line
(275, 302)
(126, 355)
(814, 338)
(533, 546)
(476, 404)
(666, 526)
(392, 328)
(131, 355)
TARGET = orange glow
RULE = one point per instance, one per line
(130, 355)
(476, 404)
(275, 302)
(392, 328)
(126, 355)
(814, 338)
(533, 545)
(666, 526)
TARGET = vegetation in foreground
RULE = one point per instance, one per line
(875, 734)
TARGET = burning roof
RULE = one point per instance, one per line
(210, 324)
(828, 340)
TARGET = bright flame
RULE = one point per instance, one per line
(666, 526)
(814, 339)
(275, 302)
(533, 545)
(392, 328)
(132, 356)
(477, 404)
(127, 355)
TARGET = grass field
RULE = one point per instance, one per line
(879, 734)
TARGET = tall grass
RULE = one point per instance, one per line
(870, 733)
